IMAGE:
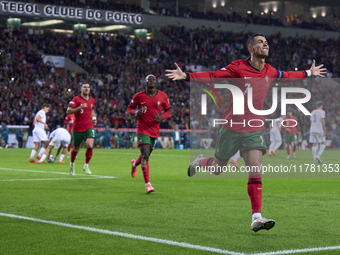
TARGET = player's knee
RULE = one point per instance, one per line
(145, 158)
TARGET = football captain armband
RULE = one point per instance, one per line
(94, 118)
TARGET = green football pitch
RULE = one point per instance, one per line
(44, 210)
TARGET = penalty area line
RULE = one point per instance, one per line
(114, 233)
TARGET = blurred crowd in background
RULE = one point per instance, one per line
(117, 66)
(230, 16)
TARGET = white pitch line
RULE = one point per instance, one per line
(38, 171)
(299, 250)
(114, 233)
(169, 242)
(57, 179)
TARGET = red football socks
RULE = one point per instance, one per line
(137, 163)
(206, 161)
(255, 194)
(73, 156)
(288, 150)
(145, 171)
(88, 155)
(69, 148)
(294, 148)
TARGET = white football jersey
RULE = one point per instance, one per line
(315, 118)
(42, 115)
(60, 135)
(277, 125)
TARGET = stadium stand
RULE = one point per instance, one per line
(230, 16)
(117, 66)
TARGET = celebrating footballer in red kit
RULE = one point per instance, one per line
(82, 107)
(258, 75)
(150, 103)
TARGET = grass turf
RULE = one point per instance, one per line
(213, 212)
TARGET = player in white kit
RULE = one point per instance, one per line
(318, 131)
(39, 133)
(59, 138)
(275, 136)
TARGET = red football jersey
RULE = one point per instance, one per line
(248, 76)
(83, 116)
(290, 122)
(70, 119)
(152, 104)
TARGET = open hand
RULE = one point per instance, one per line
(317, 70)
(175, 75)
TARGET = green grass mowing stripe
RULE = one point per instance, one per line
(208, 212)
(102, 231)
(307, 250)
(137, 154)
(169, 242)
(52, 179)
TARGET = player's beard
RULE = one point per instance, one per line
(263, 53)
(151, 89)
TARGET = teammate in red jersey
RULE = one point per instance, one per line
(150, 104)
(258, 75)
(290, 131)
(82, 107)
(69, 121)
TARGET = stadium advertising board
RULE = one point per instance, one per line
(69, 13)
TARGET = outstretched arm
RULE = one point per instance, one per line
(317, 70)
(293, 75)
(177, 74)
(229, 71)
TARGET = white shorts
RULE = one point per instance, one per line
(316, 137)
(275, 135)
(39, 135)
(63, 138)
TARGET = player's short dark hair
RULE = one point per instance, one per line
(46, 105)
(85, 82)
(251, 38)
(318, 104)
